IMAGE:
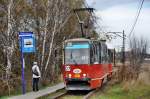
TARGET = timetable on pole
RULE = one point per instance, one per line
(27, 42)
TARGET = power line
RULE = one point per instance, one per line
(138, 13)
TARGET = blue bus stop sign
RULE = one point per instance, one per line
(27, 42)
(27, 45)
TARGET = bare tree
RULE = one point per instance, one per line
(50, 20)
(137, 54)
(57, 15)
(11, 23)
(45, 32)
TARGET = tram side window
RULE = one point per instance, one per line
(91, 54)
(104, 56)
(94, 47)
(110, 55)
(99, 51)
(96, 54)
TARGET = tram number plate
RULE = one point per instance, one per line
(77, 75)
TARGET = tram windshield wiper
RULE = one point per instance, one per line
(73, 60)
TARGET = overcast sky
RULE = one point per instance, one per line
(119, 15)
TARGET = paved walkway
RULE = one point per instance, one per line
(34, 95)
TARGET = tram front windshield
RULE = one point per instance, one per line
(77, 53)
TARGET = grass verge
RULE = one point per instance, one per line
(123, 91)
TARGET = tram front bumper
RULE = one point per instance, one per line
(77, 79)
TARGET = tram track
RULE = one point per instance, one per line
(58, 96)
(90, 94)
(54, 95)
(79, 94)
(63, 94)
(67, 94)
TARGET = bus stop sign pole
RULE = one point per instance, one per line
(23, 79)
(27, 45)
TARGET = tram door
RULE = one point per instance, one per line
(104, 58)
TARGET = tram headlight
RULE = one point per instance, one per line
(84, 75)
(69, 75)
(67, 68)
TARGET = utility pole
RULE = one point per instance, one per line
(123, 49)
(123, 57)
(123, 36)
(114, 57)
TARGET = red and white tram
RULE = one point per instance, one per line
(86, 63)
